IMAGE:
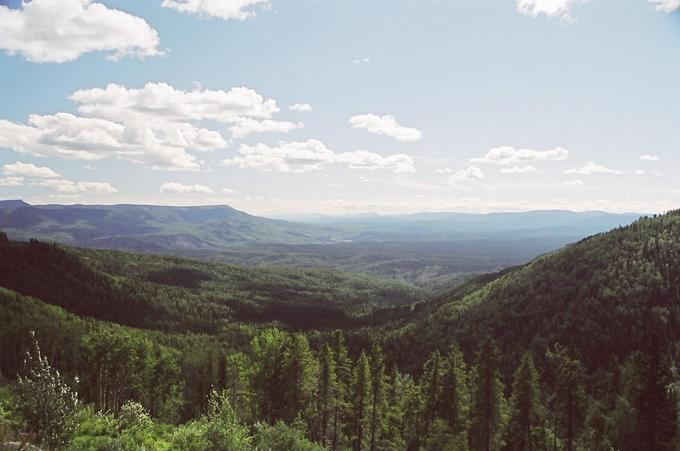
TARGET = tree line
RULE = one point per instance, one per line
(283, 394)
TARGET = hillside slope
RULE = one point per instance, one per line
(179, 294)
(603, 297)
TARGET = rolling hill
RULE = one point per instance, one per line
(434, 251)
(604, 297)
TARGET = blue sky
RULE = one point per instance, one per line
(466, 105)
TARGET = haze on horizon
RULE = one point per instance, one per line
(342, 107)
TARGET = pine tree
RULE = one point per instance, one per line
(645, 391)
(524, 407)
(453, 406)
(568, 391)
(393, 436)
(326, 398)
(343, 373)
(430, 385)
(486, 412)
(267, 381)
(360, 420)
(379, 401)
(300, 376)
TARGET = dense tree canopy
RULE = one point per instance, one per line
(576, 350)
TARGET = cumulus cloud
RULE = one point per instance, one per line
(287, 157)
(399, 163)
(20, 169)
(443, 171)
(311, 155)
(667, 6)
(161, 100)
(591, 168)
(361, 61)
(574, 183)
(69, 187)
(157, 125)
(179, 188)
(471, 173)
(301, 107)
(648, 157)
(550, 8)
(51, 31)
(221, 9)
(247, 126)
(11, 181)
(506, 155)
(385, 125)
(520, 170)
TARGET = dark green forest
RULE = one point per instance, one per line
(576, 350)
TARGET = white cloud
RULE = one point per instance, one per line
(592, 168)
(179, 188)
(361, 159)
(443, 171)
(667, 6)
(222, 9)
(361, 61)
(157, 125)
(28, 170)
(574, 183)
(68, 187)
(471, 173)
(56, 31)
(301, 107)
(649, 157)
(520, 170)
(385, 125)
(161, 100)
(505, 155)
(11, 181)
(228, 191)
(287, 157)
(246, 126)
(550, 8)
(298, 157)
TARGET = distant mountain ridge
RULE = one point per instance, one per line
(432, 250)
(151, 228)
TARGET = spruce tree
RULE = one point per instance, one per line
(486, 411)
(361, 404)
(524, 407)
(430, 385)
(326, 397)
(378, 400)
(342, 408)
(454, 402)
(568, 392)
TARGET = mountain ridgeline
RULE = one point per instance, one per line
(578, 349)
(434, 251)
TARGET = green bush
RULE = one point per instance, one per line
(46, 401)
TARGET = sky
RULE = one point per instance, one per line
(342, 106)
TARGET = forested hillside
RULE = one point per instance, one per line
(178, 294)
(435, 251)
(579, 349)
